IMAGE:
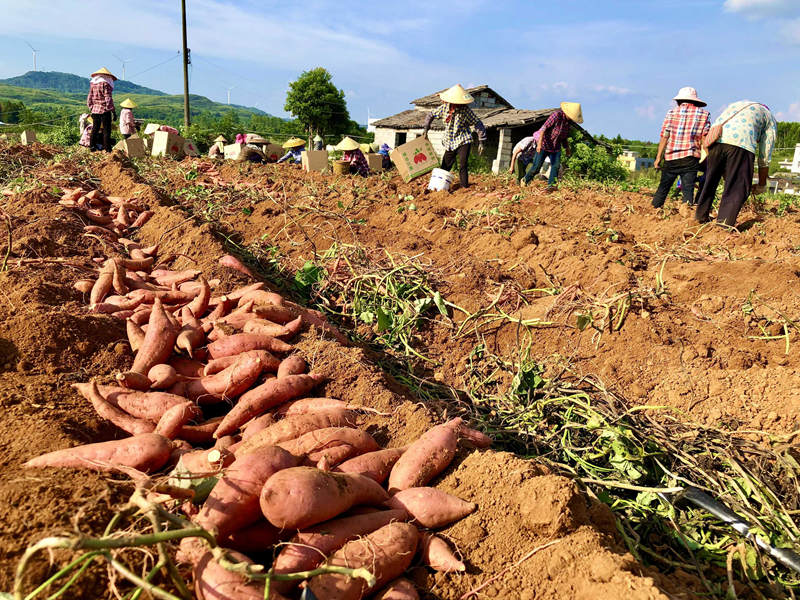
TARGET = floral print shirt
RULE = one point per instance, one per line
(754, 128)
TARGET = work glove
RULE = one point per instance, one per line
(480, 148)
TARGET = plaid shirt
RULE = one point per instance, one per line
(554, 132)
(686, 125)
(358, 162)
(99, 99)
(457, 130)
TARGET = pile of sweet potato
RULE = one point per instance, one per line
(217, 394)
(110, 216)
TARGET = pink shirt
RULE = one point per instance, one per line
(126, 123)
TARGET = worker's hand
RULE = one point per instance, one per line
(480, 148)
(657, 163)
(511, 169)
(425, 134)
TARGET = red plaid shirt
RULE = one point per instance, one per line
(554, 132)
(358, 162)
(99, 99)
(686, 125)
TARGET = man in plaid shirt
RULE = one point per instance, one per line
(682, 135)
(101, 105)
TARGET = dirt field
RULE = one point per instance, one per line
(664, 312)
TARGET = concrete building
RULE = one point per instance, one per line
(796, 160)
(633, 162)
(505, 125)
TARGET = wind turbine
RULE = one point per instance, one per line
(34, 54)
(229, 94)
(124, 62)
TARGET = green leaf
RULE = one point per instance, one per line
(248, 210)
(367, 317)
(439, 302)
(584, 321)
(384, 320)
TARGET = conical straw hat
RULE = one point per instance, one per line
(573, 111)
(254, 138)
(221, 138)
(347, 143)
(104, 71)
(456, 95)
(364, 148)
(128, 103)
(294, 142)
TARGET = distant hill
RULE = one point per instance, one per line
(71, 84)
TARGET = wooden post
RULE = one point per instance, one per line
(186, 117)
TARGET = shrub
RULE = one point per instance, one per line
(595, 162)
(65, 134)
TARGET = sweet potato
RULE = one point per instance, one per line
(437, 554)
(118, 417)
(143, 218)
(168, 277)
(162, 376)
(430, 507)
(262, 398)
(103, 284)
(375, 465)
(143, 405)
(474, 437)
(307, 549)
(256, 324)
(309, 405)
(269, 362)
(274, 312)
(214, 582)
(253, 426)
(135, 334)
(261, 296)
(199, 304)
(292, 365)
(158, 340)
(187, 367)
(399, 589)
(318, 320)
(234, 501)
(174, 418)
(118, 278)
(83, 285)
(202, 433)
(237, 293)
(144, 264)
(219, 311)
(426, 457)
(242, 342)
(191, 335)
(304, 496)
(166, 296)
(133, 381)
(229, 383)
(313, 444)
(202, 463)
(141, 316)
(258, 537)
(144, 452)
(293, 427)
(236, 321)
(234, 263)
(387, 553)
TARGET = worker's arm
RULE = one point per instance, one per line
(567, 148)
(514, 160)
(661, 145)
(429, 119)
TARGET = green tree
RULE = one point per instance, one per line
(318, 104)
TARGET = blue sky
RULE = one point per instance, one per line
(623, 59)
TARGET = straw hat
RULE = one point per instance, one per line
(374, 146)
(221, 138)
(254, 138)
(364, 148)
(456, 95)
(317, 138)
(347, 143)
(573, 111)
(688, 94)
(104, 71)
(294, 142)
(128, 103)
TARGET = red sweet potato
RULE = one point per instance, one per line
(430, 507)
(143, 405)
(253, 426)
(474, 437)
(202, 463)
(135, 334)
(314, 444)
(273, 312)
(168, 277)
(174, 418)
(103, 284)
(143, 218)
(158, 341)
(309, 405)
(438, 556)
(256, 324)
(234, 502)
(118, 417)
(202, 433)
(162, 376)
(375, 465)
(307, 549)
(387, 553)
(304, 496)
(191, 335)
(293, 427)
(133, 381)
(146, 452)
(234, 263)
(229, 383)
(199, 304)
(242, 342)
(141, 316)
(258, 537)
(144, 264)
(237, 293)
(83, 285)
(426, 457)
(262, 398)
(187, 367)
(260, 296)
(318, 320)
(399, 589)
(292, 365)
(214, 582)
(269, 362)
(118, 278)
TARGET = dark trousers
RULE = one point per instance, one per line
(522, 167)
(686, 169)
(449, 159)
(538, 161)
(735, 165)
(101, 125)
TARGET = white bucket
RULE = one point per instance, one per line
(441, 180)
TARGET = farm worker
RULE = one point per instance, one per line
(522, 156)
(549, 140)
(127, 126)
(317, 142)
(254, 149)
(748, 128)
(386, 162)
(85, 122)
(354, 155)
(241, 138)
(682, 133)
(101, 105)
(295, 147)
(217, 149)
(458, 119)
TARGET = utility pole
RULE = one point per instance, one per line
(186, 61)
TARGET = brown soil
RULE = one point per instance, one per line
(689, 349)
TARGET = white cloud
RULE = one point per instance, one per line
(762, 8)
(612, 90)
(790, 31)
(648, 111)
(790, 114)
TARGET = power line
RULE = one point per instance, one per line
(173, 57)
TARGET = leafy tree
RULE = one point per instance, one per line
(318, 104)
